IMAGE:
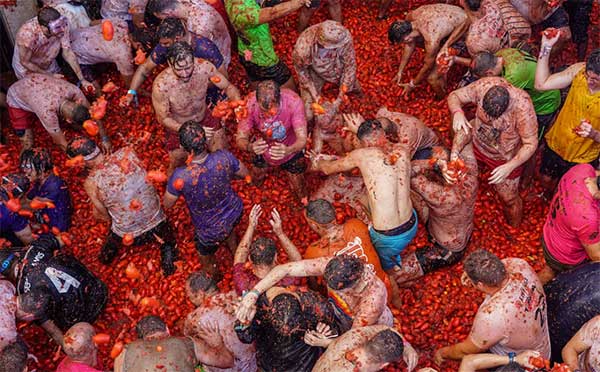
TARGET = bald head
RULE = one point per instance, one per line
(79, 341)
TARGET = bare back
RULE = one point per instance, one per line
(436, 21)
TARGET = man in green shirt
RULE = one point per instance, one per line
(255, 45)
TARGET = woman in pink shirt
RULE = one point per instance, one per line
(572, 231)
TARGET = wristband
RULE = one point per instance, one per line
(257, 293)
(132, 92)
(511, 357)
(457, 110)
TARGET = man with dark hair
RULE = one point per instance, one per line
(156, 350)
(205, 184)
(170, 31)
(38, 42)
(120, 193)
(437, 27)
(547, 14)
(217, 308)
(277, 114)
(44, 98)
(512, 318)
(179, 95)
(357, 296)
(13, 358)
(262, 253)
(503, 133)
(367, 349)
(14, 227)
(82, 352)
(575, 136)
(47, 187)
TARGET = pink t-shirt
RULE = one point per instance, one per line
(289, 117)
(514, 319)
(89, 46)
(43, 94)
(589, 360)
(573, 217)
(67, 365)
(8, 308)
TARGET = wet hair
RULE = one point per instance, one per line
(286, 314)
(159, 6)
(179, 51)
(148, 325)
(483, 62)
(201, 281)
(47, 15)
(38, 159)
(321, 211)
(343, 271)
(398, 31)
(192, 137)
(36, 302)
(15, 184)
(80, 146)
(511, 367)
(495, 102)
(593, 62)
(473, 5)
(386, 347)
(79, 115)
(263, 251)
(13, 358)
(170, 28)
(145, 36)
(368, 127)
(268, 86)
(484, 267)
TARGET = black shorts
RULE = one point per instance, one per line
(296, 165)
(555, 166)
(544, 122)
(209, 248)
(279, 72)
(435, 257)
(558, 19)
(579, 18)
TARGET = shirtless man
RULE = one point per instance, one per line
(131, 11)
(215, 307)
(547, 13)
(357, 296)
(430, 24)
(325, 53)
(179, 95)
(119, 193)
(581, 353)
(504, 135)
(82, 353)
(200, 18)
(368, 349)
(157, 351)
(38, 43)
(48, 98)
(450, 209)
(385, 168)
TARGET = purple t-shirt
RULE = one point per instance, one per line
(10, 222)
(213, 204)
(289, 117)
(203, 48)
(55, 189)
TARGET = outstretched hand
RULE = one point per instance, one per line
(352, 121)
(255, 214)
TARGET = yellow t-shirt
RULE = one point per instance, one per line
(579, 105)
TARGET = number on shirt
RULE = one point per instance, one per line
(61, 280)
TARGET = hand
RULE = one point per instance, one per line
(209, 133)
(279, 151)
(500, 174)
(438, 358)
(459, 121)
(106, 146)
(255, 214)
(398, 78)
(86, 85)
(523, 358)
(546, 42)
(209, 332)
(352, 121)
(306, 3)
(59, 76)
(321, 337)
(259, 146)
(449, 177)
(275, 222)
(407, 88)
(315, 158)
(247, 308)
(410, 356)
(126, 100)
(584, 129)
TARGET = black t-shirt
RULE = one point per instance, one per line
(76, 295)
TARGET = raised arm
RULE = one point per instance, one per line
(328, 167)
(241, 253)
(543, 79)
(289, 247)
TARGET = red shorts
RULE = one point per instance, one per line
(496, 163)
(21, 119)
(172, 138)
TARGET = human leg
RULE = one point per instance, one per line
(512, 202)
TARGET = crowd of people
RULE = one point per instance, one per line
(508, 110)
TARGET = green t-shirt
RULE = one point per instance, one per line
(519, 70)
(252, 36)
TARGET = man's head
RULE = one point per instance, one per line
(385, 347)
(51, 22)
(286, 315)
(170, 31)
(198, 285)
(371, 133)
(142, 38)
(592, 69)
(74, 113)
(472, 5)
(192, 137)
(319, 215)
(511, 367)
(181, 60)
(79, 343)
(9, 257)
(268, 96)
(36, 163)
(494, 104)
(486, 64)
(85, 147)
(149, 326)
(485, 270)
(333, 35)
(263, 252)
(14, 185)
(33, 305)
(163, 8)
(343, 272)
(13, 358)
(399, 32)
